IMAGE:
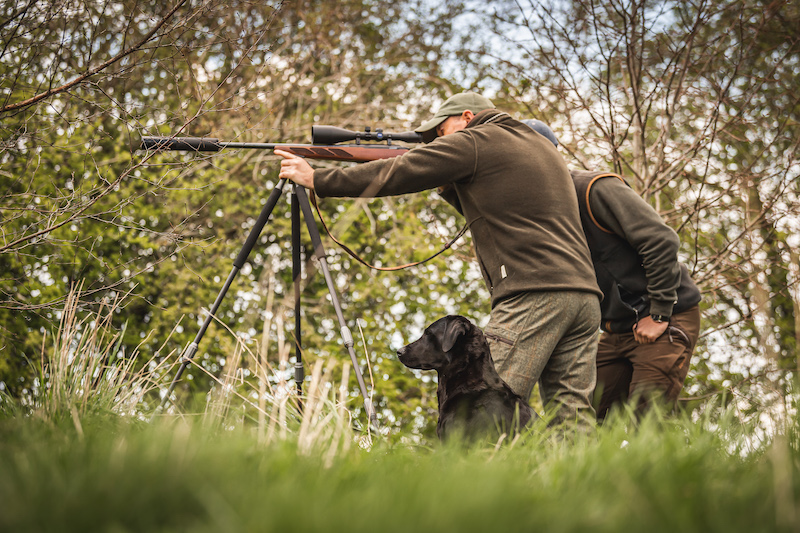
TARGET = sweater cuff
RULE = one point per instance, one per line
(661, 308)
(320, 182)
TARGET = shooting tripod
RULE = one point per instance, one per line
(327, 145)
(299, 200)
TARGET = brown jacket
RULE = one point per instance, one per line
(514, 189)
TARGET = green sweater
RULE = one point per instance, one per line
(512, 186)
(634, 252)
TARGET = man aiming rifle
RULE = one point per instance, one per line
(515, 191)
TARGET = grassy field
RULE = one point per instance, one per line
(77, 455)
(104, 473)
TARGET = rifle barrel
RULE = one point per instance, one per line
(193, 144)
(337, 152)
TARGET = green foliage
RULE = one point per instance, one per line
(693, 102)
(80, 207)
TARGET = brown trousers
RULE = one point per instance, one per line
(627, 369)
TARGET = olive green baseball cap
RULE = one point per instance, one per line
(455, 105)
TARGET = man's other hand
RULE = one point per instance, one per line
(648, 330)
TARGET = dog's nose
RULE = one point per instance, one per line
(401, 351)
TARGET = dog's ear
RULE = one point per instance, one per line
(452, 331)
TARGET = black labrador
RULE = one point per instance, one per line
(473, 399)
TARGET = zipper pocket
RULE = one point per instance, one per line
(498, 339)
(679, 333)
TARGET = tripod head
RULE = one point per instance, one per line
(332, 135)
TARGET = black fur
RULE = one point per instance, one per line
(473, 400)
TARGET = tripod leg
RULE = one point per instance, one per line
(347, 337)
(191, 349)
(296, 274)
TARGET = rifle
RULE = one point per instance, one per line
(326, 144)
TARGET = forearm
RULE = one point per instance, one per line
(370, 180)
(440, 163)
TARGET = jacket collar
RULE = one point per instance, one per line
(486, 116)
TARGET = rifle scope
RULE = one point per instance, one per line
(332, 135)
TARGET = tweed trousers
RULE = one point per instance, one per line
(550, 338)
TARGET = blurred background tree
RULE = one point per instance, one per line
(693, 102)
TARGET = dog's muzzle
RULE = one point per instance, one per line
(403, 357)
(401, 352)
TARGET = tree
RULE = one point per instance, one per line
(80, 207)
(693, 103)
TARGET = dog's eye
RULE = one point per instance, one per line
(430, 338)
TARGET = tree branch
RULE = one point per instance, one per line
(52, 91)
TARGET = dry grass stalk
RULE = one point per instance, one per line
(236, 370)
(342, 416)
(263, 353)
(282, 391)
(219, 400)
(323, 418)
(85, 369)
(232, 392)
(367, 441)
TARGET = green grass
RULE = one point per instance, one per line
(116, 475)
(77, 455)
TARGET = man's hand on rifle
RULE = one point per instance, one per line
(296, 169)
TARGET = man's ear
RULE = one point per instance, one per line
(453, 330)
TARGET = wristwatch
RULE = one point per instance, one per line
(659, 318)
